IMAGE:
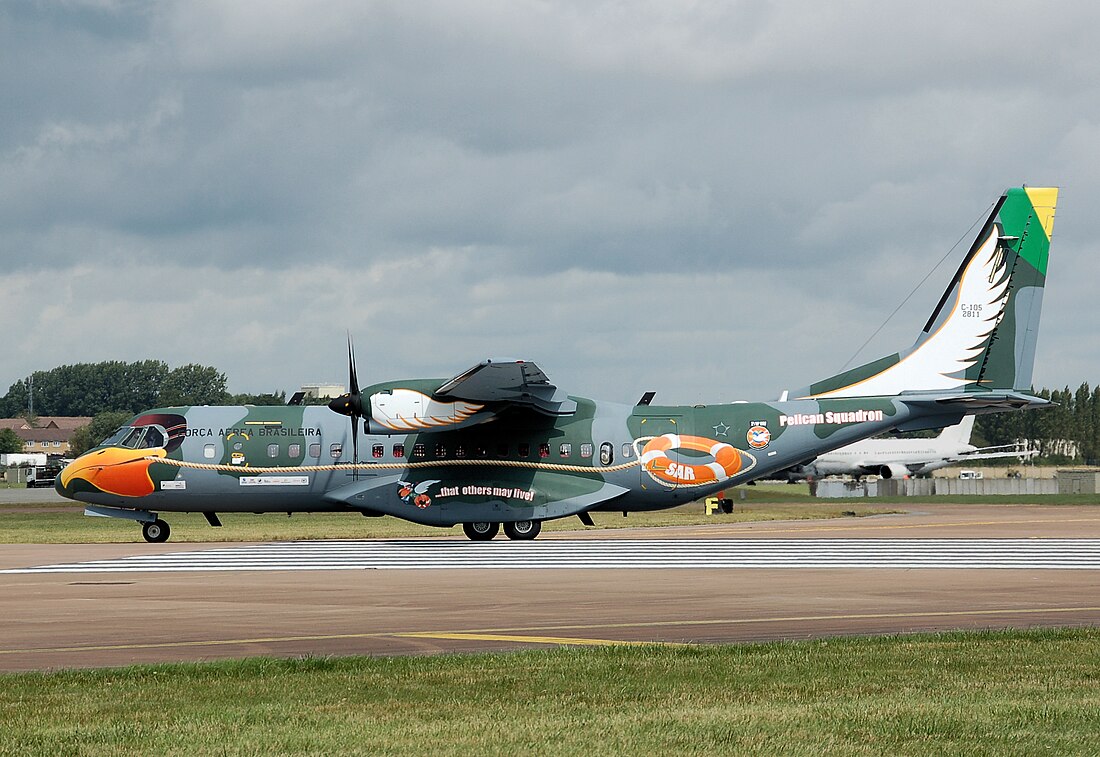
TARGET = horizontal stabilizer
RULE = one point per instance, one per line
(976, 403)
(991, 455)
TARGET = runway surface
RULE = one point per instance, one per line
(942, 567)
(634, 554)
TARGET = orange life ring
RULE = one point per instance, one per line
(656, 461)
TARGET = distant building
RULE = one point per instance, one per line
(1079, 481)
(49, 435)
(323, 391)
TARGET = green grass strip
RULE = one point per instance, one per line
(988, 693)
(67, 525)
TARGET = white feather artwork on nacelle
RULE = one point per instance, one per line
(409, 410)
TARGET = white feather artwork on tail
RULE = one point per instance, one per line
(940, 361)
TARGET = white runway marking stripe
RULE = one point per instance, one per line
(611, 553)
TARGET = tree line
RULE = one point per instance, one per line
(112, 391)
(88, 389)
(1069, 432)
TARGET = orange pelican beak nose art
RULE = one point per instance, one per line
(114, 470)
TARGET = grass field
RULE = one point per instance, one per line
(997, 693)
(62, 523)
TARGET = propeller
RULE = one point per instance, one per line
(351, 405)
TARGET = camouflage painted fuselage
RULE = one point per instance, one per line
(515, 467)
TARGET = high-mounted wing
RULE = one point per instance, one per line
(474, 396)
(515, 382)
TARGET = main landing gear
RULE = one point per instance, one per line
(155, 531)
(521, 529)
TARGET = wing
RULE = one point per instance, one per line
(475, 396)
(516, 382)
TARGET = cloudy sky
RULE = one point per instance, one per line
(712, 200)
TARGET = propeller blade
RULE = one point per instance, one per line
(353, 380)
(351, 404)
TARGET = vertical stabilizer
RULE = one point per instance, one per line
(982, 333)
(959, 434)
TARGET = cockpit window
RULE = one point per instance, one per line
(114, 439)
(138, 437)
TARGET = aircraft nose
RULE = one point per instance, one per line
(59, 487)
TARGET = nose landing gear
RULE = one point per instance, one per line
(155, 531)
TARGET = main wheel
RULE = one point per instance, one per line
(157, 531)
(480, 531)
(523, 529)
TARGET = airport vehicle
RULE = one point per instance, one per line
(41, 476)
(499, 445)
(900, 458)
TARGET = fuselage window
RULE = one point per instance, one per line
(502, 449)
(377, 450)
(294, 450)
(273, 450)
(607, 453)
(628, 450)
(208, 451)
(566, 449)
(586, 450)
(460, 451)
(524, 449)
(418, 450)
(336, 450)
(315, 450)
(440, 449)
(399, 450)
(544, 449)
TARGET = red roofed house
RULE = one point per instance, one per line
(50, 435)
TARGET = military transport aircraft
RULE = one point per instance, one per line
(499, 444)
(901, 458)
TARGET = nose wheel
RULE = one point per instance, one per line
(155, 531)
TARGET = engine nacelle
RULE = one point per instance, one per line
(892, 470)
(403, 411)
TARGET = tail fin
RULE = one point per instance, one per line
(982, 334)
(959, 433)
